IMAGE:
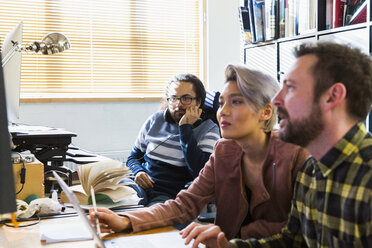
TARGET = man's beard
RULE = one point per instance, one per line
(176, 115)
(302, 132)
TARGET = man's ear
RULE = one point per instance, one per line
(266, 112)
(334, 96)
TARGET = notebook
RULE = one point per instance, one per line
(157, 240)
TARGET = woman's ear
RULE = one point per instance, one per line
(266, 112)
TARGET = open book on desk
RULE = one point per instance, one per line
(105, 177)
(129, 200)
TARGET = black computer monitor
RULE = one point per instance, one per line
(7, 190)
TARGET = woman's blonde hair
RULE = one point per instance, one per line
(257, 88)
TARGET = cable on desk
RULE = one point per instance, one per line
(23, 172)
(26, 224)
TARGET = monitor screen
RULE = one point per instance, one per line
(12, 72)
(7, 191)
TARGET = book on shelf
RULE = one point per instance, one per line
(306, 12)
(329, 14)
(251, 20)
(289, 18)
(282, 14)
(245, 24)
(105, 177)
(303, 23)
(312, 14)
(259, 19)
(338, 13)
(271, 19)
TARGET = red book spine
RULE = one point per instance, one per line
(338, 12)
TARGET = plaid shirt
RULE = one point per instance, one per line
(332, 203)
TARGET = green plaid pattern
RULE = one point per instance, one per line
(332, 203)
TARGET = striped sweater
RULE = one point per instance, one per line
(171, 154)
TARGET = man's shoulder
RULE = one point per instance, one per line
(154, 121)
(157, 115)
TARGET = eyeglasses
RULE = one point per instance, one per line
(185, 100)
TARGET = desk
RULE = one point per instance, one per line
(30, 236)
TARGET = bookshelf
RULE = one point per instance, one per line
(274, 57)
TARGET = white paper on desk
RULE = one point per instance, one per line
(53, 232)
(156, 240)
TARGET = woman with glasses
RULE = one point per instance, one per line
(173, 145)
(250, 174)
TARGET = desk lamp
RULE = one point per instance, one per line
(51, 43)
(12, 58)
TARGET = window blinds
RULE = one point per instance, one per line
(119, 48)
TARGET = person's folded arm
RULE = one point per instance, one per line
(194, 156)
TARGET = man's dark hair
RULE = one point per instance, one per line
(341, 63)
(190, 78)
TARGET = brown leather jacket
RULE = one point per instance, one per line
(221, 179)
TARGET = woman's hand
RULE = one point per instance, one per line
(144, 180)
(209, 235)
(109, 221)
(191, 116)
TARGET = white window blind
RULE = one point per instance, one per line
(119, 48)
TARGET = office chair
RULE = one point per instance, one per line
(210, 108)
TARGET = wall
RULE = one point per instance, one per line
(111, 128)
(223, 38)
(101, 127)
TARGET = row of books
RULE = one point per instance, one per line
(265, 20)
